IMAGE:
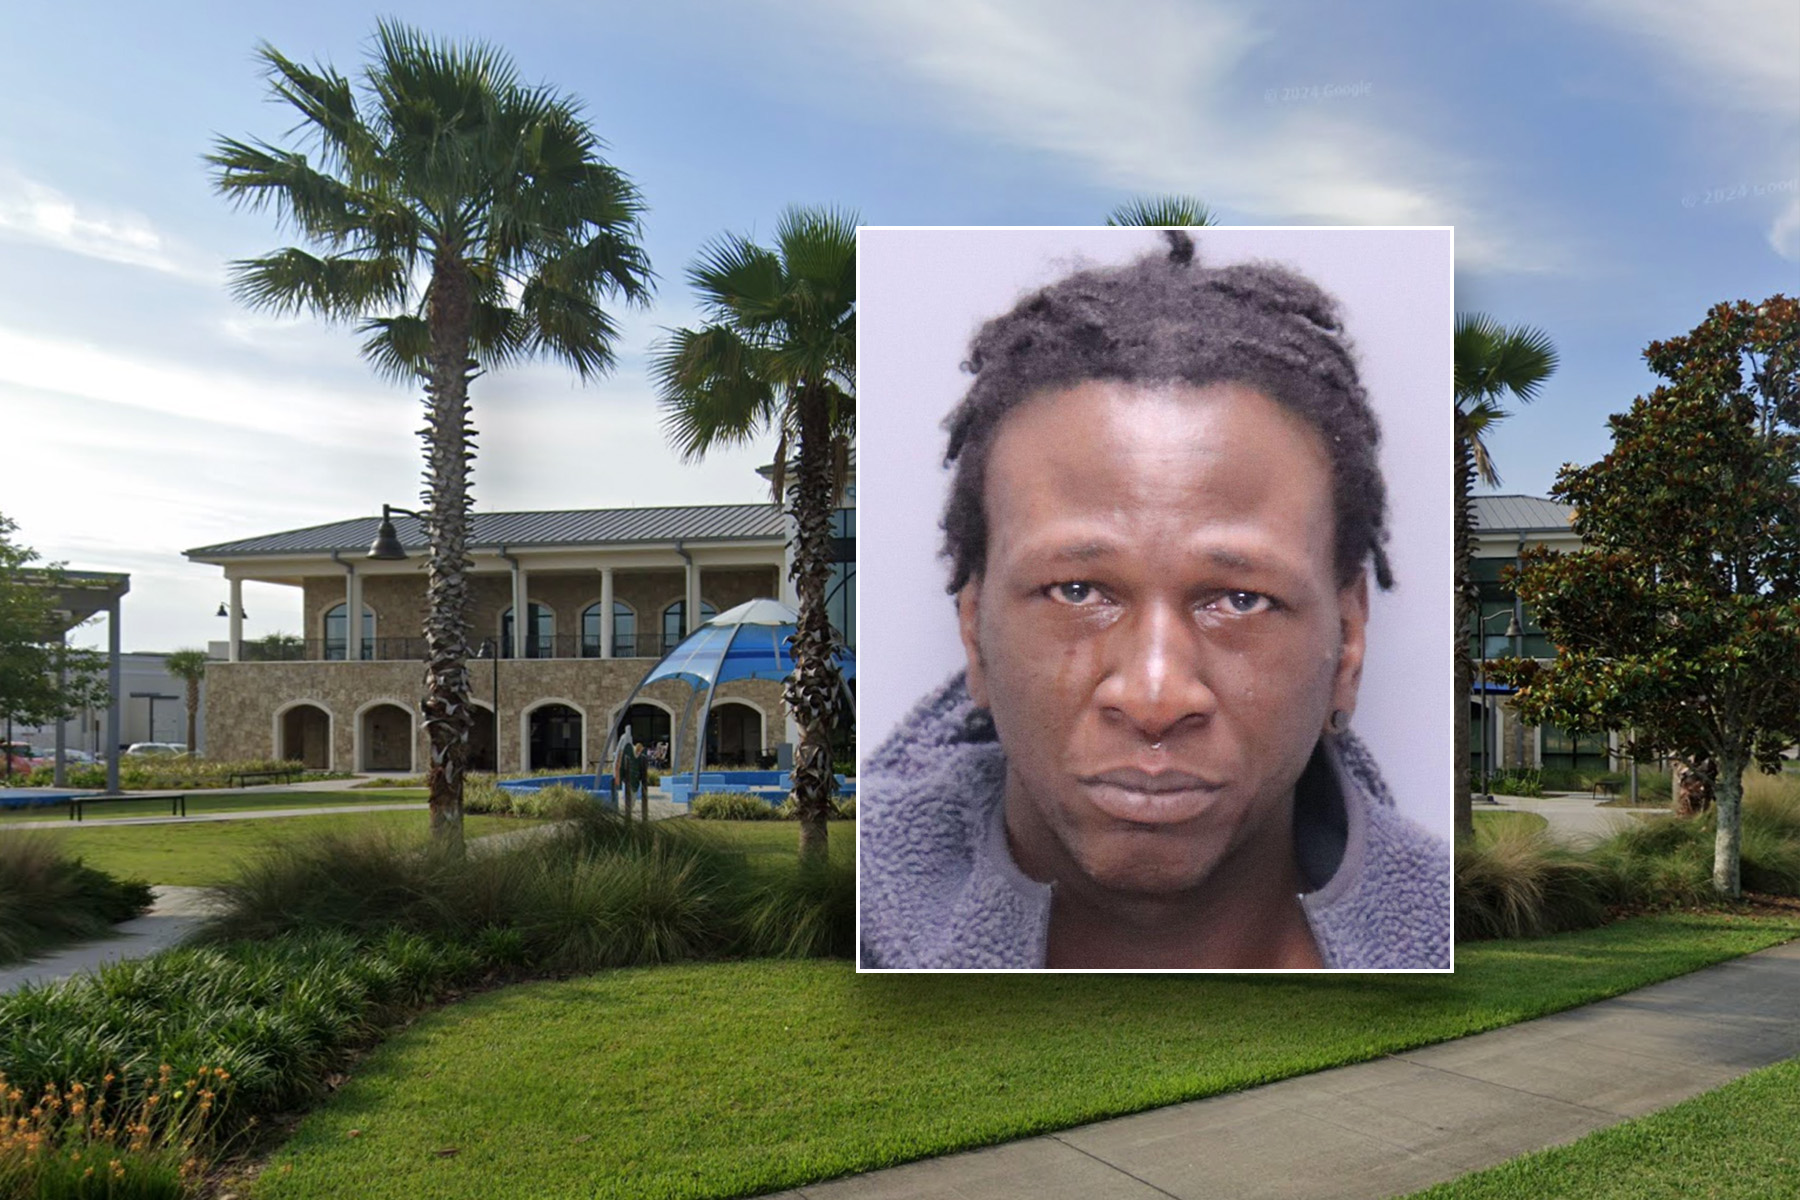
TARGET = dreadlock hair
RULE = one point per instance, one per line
(1168, 319)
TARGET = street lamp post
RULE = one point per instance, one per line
(1512, 632)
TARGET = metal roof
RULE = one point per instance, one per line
(1520, 514)
(588, 527)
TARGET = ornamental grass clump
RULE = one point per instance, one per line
(48, 897)
(71, 1141)
(595, 891)
(1519, 883)
(732, 806)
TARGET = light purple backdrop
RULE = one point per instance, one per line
(921, 294)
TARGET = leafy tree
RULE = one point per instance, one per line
(42, 680)
(779, 353)
(467, 221)
(1491, 362)
(1161, 210)
(189, 666)
(1680, 620)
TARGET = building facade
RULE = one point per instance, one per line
(1505, 526)
(603, 593)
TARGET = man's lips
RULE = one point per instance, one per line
(1150, 797)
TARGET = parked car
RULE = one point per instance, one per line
(155, 749)
(18, 758)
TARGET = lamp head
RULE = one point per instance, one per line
(386, 546)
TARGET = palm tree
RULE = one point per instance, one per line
(190, 667)
(779, 353)
(1161, 210)
(1491, 361)
(466, 221)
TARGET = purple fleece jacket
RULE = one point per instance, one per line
(939, 887)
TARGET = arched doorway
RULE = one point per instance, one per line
(481, 739)
(734, 735)
(555, 738)
(306, 737)
(649, 724)
(386, 738)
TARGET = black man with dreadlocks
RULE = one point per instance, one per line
(1164, 515)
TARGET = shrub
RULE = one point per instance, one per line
(732, 806)
(1518, 883)
(1516, 781)
(843, 808)
(48, 897)
(558, 802)
(808, 914)
(170, 771)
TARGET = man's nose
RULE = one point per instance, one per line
(1156, 677)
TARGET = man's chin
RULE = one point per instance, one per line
(1128, 866)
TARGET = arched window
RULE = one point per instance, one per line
(672, 622)
(540, 639)
(624, 631)
(336, 643)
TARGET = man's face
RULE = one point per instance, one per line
(1159, 631)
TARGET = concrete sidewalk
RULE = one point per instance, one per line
(1389, 1127)
(1574, 817)
(174, 914)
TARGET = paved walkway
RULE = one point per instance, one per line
(176, 912)
(1392, 1126)
(1574, 817)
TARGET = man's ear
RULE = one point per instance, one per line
(968, 620)
(1353, 627)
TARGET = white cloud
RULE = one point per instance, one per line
(284, 405)
(1158, 102)
(1738, 56)
(35, 212)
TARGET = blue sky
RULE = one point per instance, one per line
(1612, 168)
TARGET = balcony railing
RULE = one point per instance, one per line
(412, 649)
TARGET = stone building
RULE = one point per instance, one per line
(604, 592)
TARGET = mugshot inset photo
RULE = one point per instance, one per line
(1155, 669)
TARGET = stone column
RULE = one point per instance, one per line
(353, 607)
(606, 612)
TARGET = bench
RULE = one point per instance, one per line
(243, 778)
(1605, 787)
(177, 801)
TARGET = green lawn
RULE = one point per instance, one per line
(772, 845)
(1494, 824)
(200, 803)
(1736, 1143)
(733, 1079)
(206, 853)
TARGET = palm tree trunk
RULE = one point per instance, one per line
(811, 691)
(1465, 478)
(447, 435)
(193, 707)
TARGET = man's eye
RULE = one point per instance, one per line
(1077, 592)
(1243, 604)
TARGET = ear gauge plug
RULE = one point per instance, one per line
(1340, 721)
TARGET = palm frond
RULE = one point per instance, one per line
(713, 389)
(1176, 210)
(398, 347)
(336, 287)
